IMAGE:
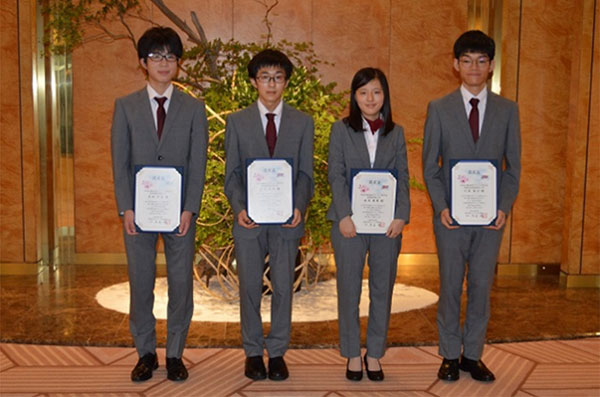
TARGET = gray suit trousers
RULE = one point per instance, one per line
(479, 247)
(349, 256)
(141, 257)
(250, 256)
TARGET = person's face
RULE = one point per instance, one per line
(161, 67)
(270, 83)
(370, 99)
(474, 69)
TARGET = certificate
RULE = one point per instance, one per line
(373, 198)
(157, 204)
(270, 191)
(473, 192)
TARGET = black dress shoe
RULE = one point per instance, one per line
(144, 367)
(353, 375)
(277, 369)
(175, 369)
(373, 375)
(477, 369)
(255, 368)
(448, 370)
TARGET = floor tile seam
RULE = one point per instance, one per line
(111, 363)
(11, 360)
(89, 354)
(596, 356)
(562, 349)
(219, 351)
(420, 348)
(563, 388)
(508, 351)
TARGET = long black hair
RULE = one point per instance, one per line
(363, 77)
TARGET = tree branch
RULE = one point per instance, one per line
(178, 22)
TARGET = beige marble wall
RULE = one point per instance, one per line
(411, 41)
(590, 256)
(11, 205)
(19, 179)
(543, 96)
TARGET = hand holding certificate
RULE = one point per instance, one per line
(373, 200)
(270, 191)
(157, 199)
(473, 192)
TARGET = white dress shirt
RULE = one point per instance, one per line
(263, 116)
(153, 94)
(482, 96)
(371, 140)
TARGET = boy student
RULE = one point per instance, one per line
(267, 128)
(160, 126)
(470, 123)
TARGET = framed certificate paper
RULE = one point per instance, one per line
(158, 195)
(373, 199)
(270, 190)
(473, 192)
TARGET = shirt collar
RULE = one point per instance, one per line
(263, 110)
(152, 93)
(467, 95)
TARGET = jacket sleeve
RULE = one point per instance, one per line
(234, 182)
(340, 191)
(120, 145)
(197, 160)
(304, 186)
(512, 156)
(402, 186)
(432, 170)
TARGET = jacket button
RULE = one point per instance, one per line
(160, 158)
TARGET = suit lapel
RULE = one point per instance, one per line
(358, 141)
(146, 116)
(488, 119)
(384, 145)
(458, 110)
(255, 127)
(174, 107)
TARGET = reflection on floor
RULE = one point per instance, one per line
(549, 368)
(59, 307)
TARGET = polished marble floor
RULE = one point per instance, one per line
(59, 307)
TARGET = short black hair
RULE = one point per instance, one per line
(268, 58)
(474, 41)
(363, 77)
(159, 38)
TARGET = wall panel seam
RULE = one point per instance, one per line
(587, 136)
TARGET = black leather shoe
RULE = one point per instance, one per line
(277, 369)
(448, 370)
(477, 369)
(255, 368)
(373, 375)
(175, 369)
(144, 367)
(353, 375)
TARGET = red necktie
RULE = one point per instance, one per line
(161, 115)
(474, 119)
(375, 125)
(271, 133)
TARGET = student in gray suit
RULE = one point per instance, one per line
(367, 138)
(159, 125)
(469, 123)
(267, 128)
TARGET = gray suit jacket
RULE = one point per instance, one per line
(134, 141)
(348, 149)
(245, 139)
(447, 134)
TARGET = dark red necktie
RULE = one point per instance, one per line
(375, 125)
(271, 133)
(474, 119)
(161, 115)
